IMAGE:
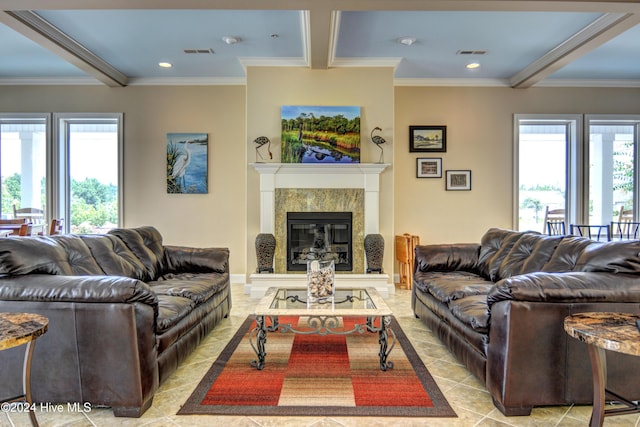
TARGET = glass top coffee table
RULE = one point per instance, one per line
(323, 318)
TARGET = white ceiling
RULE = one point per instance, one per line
(121, 42)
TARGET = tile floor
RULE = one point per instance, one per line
(467, 396)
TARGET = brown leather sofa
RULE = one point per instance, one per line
(124, 310)
(499, 307)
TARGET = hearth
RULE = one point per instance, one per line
(319, 236)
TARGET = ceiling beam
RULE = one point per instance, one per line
(34, 27)
(590, 37)
(320, 35)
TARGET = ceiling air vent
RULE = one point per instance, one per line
(472, 52)
(199, 51)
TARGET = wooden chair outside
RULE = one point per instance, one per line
(554, 222)
(625, 228)
(56, 226)
(33, 215)
(12, 225)
(405, 255)
(25, 229)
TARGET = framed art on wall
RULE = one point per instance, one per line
(458, 180)
(187, 163)
(426, 139)
(320, 134)
(429, 168)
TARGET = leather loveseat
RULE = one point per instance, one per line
(124, 310)
(499, 307)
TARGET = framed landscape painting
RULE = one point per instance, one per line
(187, 163)
(317, 134)
(425, 139)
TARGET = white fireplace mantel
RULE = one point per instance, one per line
(315, 175)
(320, 175)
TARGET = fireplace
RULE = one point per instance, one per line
(319, 236)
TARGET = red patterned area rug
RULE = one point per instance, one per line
(329, 375)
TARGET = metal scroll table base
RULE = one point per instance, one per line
(323, 325)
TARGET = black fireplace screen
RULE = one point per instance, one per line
(319, 235)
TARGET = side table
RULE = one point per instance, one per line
(605, 331)
(17, 329)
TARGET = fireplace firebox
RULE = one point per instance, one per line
(319, 235)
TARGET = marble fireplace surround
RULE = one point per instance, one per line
(319, 187)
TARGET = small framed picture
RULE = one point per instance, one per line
(429, 168)
(427, 139)
(459, 180)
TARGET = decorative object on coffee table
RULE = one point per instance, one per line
(374, 251)
(265, 249)
(320, 281)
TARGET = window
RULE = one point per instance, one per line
(613, 167)
(593, 177)
(23, 164)
(73, 172)
(544, 173)
(89, 173)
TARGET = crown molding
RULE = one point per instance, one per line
(450, 82)
(49, 81)
(589, 83)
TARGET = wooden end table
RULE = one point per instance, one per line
(17, 329)
(605, 331)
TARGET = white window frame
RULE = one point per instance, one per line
(25, 117)
(611, 119)
(575, 155)
(61, 182)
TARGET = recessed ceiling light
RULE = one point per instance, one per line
(165, 64)
(473, 65)
(230, 39)
(407, 41)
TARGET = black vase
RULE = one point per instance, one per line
(265, 250)
(374, 250)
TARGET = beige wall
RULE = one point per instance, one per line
(270, 88)
(479, 137)
(213, 219)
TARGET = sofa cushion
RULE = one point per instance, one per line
(566, 255)
(172, 309)
(495, 246)
(146, 244)
(64, 255)
(473, 311)
(447, 257)
(528, 254)
(614, 257)
(197, 287)
(114, 258)
(445, 287)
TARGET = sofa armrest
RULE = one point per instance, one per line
(180, 259)
(567, 287)
(447, 257)
(85, 289)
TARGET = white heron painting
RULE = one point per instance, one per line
(187, 161)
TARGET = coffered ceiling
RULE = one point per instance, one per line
(517, 44)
